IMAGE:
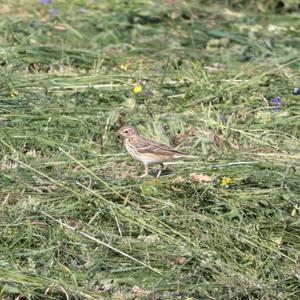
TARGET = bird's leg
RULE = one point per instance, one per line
(162, 167)
(146, 172)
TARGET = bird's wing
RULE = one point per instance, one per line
(145, 145)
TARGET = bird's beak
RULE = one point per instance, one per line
(118, 134)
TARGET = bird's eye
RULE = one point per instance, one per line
(125, 131)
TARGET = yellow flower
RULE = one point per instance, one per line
(225, 181)
(124, 66)
(188, 298)
(14, 93)
(137, 88)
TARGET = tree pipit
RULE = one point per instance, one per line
(148, 151)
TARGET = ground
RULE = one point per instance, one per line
(214, 80)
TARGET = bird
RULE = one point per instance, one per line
(148, 151)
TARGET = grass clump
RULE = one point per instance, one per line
(73, 222)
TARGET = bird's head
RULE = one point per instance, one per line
(127, 131)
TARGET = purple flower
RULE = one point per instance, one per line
(296, 91)
(45, 1)
(223, 119)
(147, 93)
(276, 103)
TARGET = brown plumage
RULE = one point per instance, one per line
(148, 151)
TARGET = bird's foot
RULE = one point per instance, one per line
(163, 170)
(159, 172)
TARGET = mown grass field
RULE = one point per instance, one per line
(74, 224)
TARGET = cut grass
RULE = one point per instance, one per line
(74, 224)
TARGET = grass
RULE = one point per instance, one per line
(73, 222)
